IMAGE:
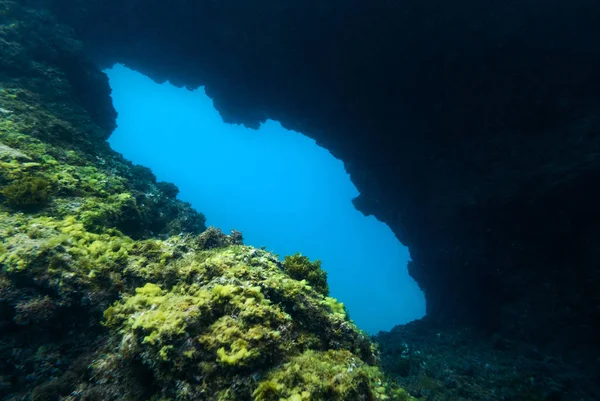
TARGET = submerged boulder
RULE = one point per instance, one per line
(170, 319)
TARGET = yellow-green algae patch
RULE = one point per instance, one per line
(236, 319)
(335, 375)
(197, 320)
(53, 166)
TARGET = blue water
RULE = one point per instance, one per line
(276, 186)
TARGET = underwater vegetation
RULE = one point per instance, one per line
(301, 268)
(27, 192)
(170, 319)
(112, 289)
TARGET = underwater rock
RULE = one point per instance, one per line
(112, 289)
(301, 268)
(8, 153)
(27, 192)
(219, 326)
(169, 318)
(470, 128)
(442, 363)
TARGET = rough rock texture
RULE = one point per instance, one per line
(441, 363)
(113, 289)
(470, 128)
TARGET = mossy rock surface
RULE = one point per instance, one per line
(175, 319)
(113, 289)
(234, 317)
(301, 267)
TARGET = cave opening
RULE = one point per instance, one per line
(278, 187)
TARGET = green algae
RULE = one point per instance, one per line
(234, 314)
(231, 314)
(300, 267)
(111, 288)
(78, 228)
(335, 375)
(80, 186)
(27, 192)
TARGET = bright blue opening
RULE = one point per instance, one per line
(276, 186)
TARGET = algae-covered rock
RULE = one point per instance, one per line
(27, 192)
(300, 267)
(8, 153)
(113, 289)
(176, 318)
(230, 319)
(335, 375)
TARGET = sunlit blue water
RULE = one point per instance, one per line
(276, 186)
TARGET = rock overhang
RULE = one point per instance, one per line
(465, 126)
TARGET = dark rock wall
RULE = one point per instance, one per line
(470, 128)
